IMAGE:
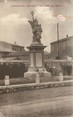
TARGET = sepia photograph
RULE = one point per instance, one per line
(36, 58)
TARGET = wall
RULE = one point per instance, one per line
(17, 48)
(65, 48)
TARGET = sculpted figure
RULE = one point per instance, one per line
(36, 29)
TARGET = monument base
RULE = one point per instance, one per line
(42, 74)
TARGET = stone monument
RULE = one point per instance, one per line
(36, 49)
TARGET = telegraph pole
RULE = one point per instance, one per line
(58, 57)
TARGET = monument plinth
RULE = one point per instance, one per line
(36, 49)
(36, 56)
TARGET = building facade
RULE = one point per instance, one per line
(7, 48)
(62, 48)
(15, 52)
(11, 47)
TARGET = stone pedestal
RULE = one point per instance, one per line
(36, 61)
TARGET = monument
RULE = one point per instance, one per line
(36, 49)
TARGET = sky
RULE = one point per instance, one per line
(14, 16)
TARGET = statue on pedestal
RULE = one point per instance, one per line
(36, 69)
(36, 29)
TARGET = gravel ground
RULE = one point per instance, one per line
(32, 95)
(54, 107)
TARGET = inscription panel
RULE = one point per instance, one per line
(31, 60)
(38, 59)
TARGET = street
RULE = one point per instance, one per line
(50, 107)
(32, 95)
(48, 102)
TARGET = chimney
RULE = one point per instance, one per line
(15, 42)
(67, 36)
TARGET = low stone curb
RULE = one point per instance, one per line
(34, 86)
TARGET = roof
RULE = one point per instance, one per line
(24, 53)
(10, 44)
(4, 49)
(62, 40)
